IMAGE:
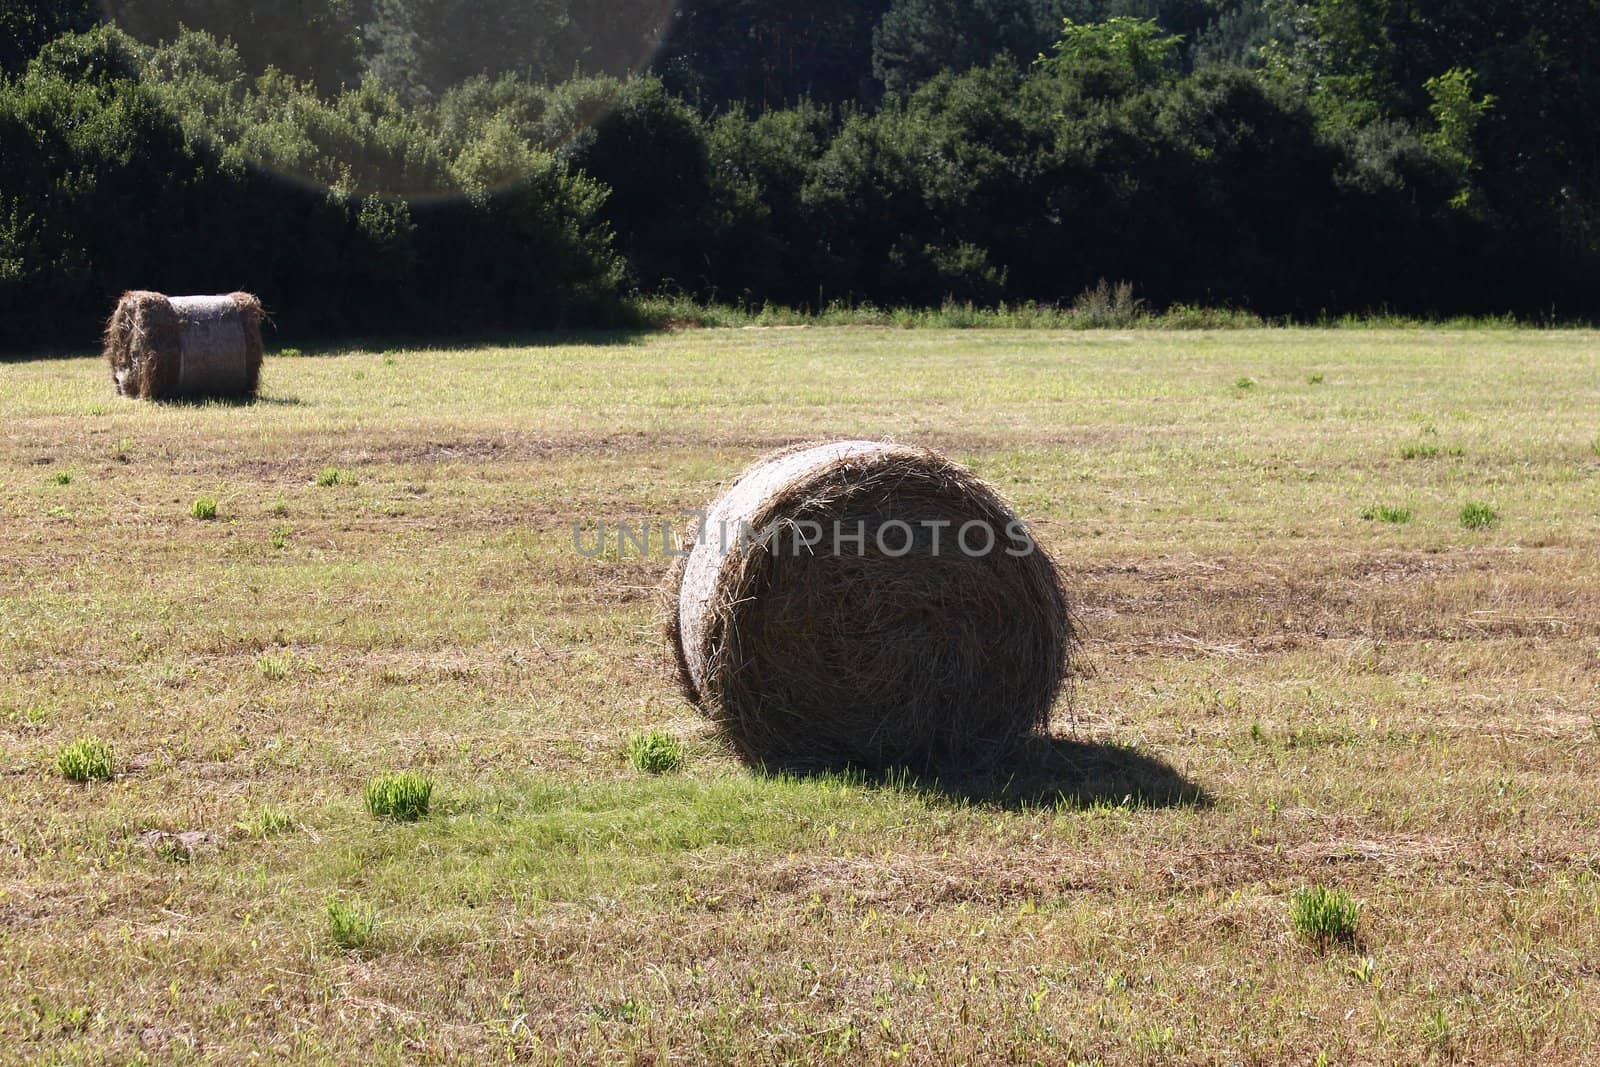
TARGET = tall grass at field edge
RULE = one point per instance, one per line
(1085, 313)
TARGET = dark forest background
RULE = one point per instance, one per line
(465, 165)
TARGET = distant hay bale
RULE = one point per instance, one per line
(844, 605)
(164, 348)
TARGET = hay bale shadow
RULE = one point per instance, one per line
(1043, 772)
(1065, 772)
(378, 343)
(230, 402)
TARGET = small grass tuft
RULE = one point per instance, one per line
(351, 924)
(400, 797)
(61, 478)
(655, 752)
(265, 823)
(328, 477)
(204, 509)
(1385, 513)
(33, 717)
(280, 537)
(1476, 515)
(1244, 385)
(1419, 451)
(86, 760)
(1315, 379)
(273, 668)
(627, 1010)
(1365, 971)
(1325, 917)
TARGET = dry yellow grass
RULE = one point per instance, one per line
(1277, 694)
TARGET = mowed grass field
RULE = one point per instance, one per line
(1274, 693)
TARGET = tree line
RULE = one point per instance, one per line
(442, 165)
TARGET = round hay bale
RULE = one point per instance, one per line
(164, 348)
(870, 604)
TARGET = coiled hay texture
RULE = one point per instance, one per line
(164, 348)
(904, 648)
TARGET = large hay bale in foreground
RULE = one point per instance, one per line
(922, 642)
(163, 348)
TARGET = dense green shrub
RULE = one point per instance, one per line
(649, 150)
(26, 25)
(313, 40)
(115, 181)
(1331, 171)
(763, 246)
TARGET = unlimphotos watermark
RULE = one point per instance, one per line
(893, 538)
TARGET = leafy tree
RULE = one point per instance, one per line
(314, 40)
(1457, 115)
(918, 39)
(110, 186)
(764, 244)
(1421, 155)
(769, 53)
(649, 149)
(1137, 46)
(423, 48)
(26, 25)
(1239, 34)
(420, 48)
(1531, 174)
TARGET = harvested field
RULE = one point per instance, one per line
(1272, 693)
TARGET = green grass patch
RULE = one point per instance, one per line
(400, 797)
(1102, 307)
(61, 478)
(87, 759)
(655, 752)
(1386, 513)
(328, 477)
(273, 668)
(204, 509)
(265, 823)
(1324, 917)
(1476, 515)
(34, 717)
(633, 838)
(351, 924)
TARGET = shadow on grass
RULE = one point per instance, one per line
(292, 348)
(379, 345)
(1064, 772)
(1046, 772)
(230, 402)
(44, 353)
